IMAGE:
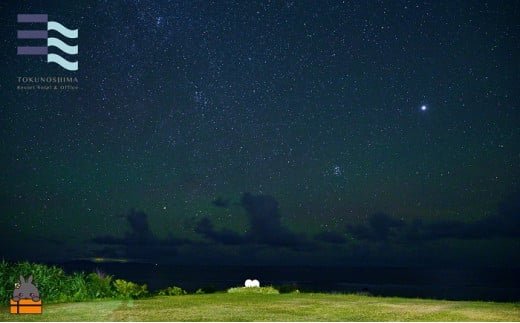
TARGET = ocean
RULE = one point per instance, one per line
(485, 284)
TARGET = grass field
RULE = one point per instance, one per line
(281, 307)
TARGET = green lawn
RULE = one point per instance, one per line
(281, 307)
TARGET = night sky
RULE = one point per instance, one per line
(265, 132)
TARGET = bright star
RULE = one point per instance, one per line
(424, 108)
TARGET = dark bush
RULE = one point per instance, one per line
(128, 290)
(99, 285)
(55, 286)
(210, 289)
(75, 289)
(172, 291)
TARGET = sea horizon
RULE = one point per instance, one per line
(454, 283)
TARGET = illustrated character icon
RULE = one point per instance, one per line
(26, 290)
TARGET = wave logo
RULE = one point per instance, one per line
(51, 41)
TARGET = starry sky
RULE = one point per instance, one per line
(296, 132)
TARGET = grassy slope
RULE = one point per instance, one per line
(283, 307)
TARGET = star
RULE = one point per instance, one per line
(424, 108)
(158, 21)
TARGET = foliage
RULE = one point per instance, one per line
(56, 286)
(210, 289)
(99, 285)
(126, 290)
(254, 290)
(75, 288)
(7, 282)
(172, 291)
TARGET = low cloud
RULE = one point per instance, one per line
(383, 227)
(205, 228)
(264, 225)
(139, 242)
(265, 233)
(264, 220)
(331, 237)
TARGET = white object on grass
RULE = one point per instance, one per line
(252, 283)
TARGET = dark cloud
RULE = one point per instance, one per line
(266, 231)
(505, 224)
(264, 225)
(139, 233)
(382, 227)
(140, 230)
(264, 219)
(220, 202)
(110, 240)
(224, 236)
(495, 226)
(138, 242)
(331, 237)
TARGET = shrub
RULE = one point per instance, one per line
(7, 280)
(75, 289)
(55, 286)
(210, 289)
(126, 290)
(172, 291)
(253, 290)
(99, 285)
